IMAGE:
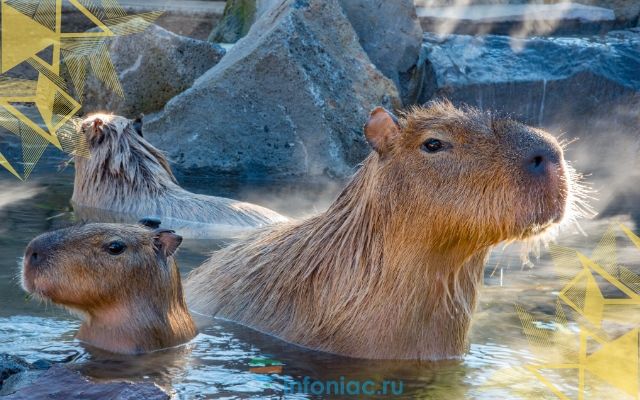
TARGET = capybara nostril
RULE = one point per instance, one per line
(35, 255)
(540, 161)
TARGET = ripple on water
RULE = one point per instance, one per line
(34, 338)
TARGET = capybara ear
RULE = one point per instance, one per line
(381, 129)
(93, 130)
(167, 241)
(150, 222)
(137, 124)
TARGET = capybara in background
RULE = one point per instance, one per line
(121, 279)
(392, 269)
(127, 175)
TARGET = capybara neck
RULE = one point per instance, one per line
(138, 326)
(392, 269)
(121, 279)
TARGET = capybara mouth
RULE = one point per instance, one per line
(33, 281)
(552, 201)
(29, 278)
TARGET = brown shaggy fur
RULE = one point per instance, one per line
(392, 269)
(127, 175)
(130, 302)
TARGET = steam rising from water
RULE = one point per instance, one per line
(12, 192)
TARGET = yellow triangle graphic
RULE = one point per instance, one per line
(5, 163)
(616, 362)
(22, 37)
(104, 29)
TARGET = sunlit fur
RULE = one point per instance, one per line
(129, 303)
(126, 174)
(392, 269)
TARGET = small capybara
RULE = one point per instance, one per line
(127, 175)
(121, 279)
(392, 269)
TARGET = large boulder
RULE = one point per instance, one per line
(626, 11)
(587, 88)
(153, 66)
(390, 33)
(289, 99)
(519, 20)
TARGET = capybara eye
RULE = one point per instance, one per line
(116, 247)
(432, 145)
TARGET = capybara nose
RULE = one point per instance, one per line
(542, 160)
(35, 255)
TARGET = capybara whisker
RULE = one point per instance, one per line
(392, 269)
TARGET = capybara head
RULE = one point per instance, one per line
(119, 152)
(472, 177)
(93, 268)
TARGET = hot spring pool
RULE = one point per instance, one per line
(220, 362)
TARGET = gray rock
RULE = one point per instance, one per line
(626, 11)
(153, 66)
(390, 33)
(60, 382)
(19, 381)
(519, 20)
(289, 99)
(10, 365)
(494, 71)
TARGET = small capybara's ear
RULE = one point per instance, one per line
(150, 222)
(93, 130)
(166, 241)
(381, 129)
(137, 124)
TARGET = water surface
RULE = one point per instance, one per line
(218, 362)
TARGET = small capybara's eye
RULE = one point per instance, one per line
(116, 247)
(432, 145)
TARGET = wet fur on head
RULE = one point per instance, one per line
(122, 153)
(392, 268)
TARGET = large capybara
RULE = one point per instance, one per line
(121, 279)
(127, 175)
(392, 269)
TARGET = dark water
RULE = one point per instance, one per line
(217, 363)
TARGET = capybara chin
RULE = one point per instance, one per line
(392, 269)
(127, 175)
(122, 279)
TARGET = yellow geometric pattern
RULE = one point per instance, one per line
(597, 358)
(30, 27)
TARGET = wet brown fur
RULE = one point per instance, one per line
(130, 303)
(126, 174)
(392, 269)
